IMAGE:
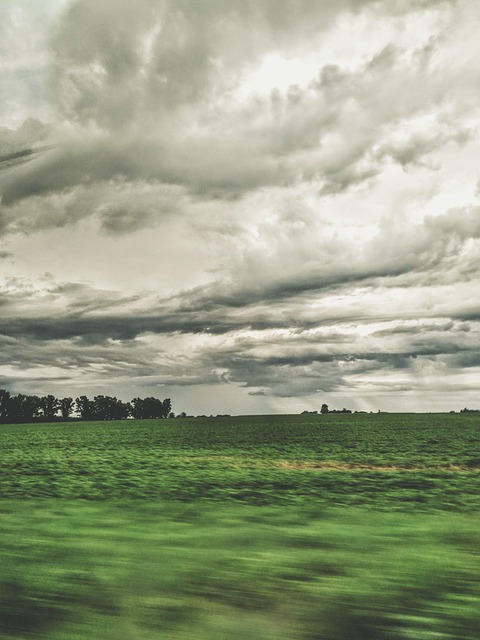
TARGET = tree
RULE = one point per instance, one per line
(324, 408)
(5, 399)
(23, 408)
(108, 408)
(138, 408)
(167, 407)
(149, 408)
(49, 406)
(66, 407)
(85, 408)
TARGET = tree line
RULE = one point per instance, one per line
(32, 408)
(325, 409)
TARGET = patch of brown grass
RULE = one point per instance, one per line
(238, 462)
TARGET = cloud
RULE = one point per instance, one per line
(276, 197)
(442, 248)
(303, 346)
(173, 53)
(150, 93)
(26, 27)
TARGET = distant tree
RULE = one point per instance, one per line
(167, 408)
(149, 408)
(110, 408)
(101, 407)
(5, 399)
(138, 408)
(66, 407)
(324, 408)
(23, 408)
(85, 407)
(49, 406)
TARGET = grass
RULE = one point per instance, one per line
(394, 462)
(164, 569)
(286, 527)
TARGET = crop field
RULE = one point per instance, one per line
(320, 527)
(391, 461)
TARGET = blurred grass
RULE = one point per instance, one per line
(169, 570)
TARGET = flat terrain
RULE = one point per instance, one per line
(391, 461)
(334, 527)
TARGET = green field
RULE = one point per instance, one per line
(295, 527)
(391, 461)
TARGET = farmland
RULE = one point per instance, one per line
(306, 527)
(382, 461)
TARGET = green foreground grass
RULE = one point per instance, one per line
(294, 527)
(168, 570)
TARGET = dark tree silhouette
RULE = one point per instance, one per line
(167, 407)
(85, 408)
(143, 408)
(25, 408)
(5, 399)
(49, 406)
(66, 407)
(108, 408)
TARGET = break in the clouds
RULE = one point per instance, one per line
(245, 206)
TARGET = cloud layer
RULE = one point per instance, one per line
(263, 203)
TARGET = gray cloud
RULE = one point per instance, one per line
(172, 52)
(420, 253)
(101, 334)
(134, 81)
(400, 254)
(319, 237)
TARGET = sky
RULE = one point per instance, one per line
(247, 206)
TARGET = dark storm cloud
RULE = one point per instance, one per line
(186, 44)
(100, 328)
(21, 156)
(293, 364)
(284, 380)
(299, 376)
(66, 355)
(207, 165)
(467, 359)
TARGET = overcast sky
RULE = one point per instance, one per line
(248, 206)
